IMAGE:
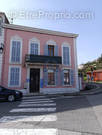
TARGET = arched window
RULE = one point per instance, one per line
(51, 49)
(34, 46)
(16, 50)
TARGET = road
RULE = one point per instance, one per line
(44, 115)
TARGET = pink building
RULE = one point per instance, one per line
(37, 60)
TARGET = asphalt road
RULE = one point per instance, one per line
(42, 115)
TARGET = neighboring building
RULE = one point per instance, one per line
(96, 74)
(38, 60)
(3, 19)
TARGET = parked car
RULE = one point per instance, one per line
(10, 95)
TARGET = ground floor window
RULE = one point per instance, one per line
(14, 77)
(51, 77)
(66, 77)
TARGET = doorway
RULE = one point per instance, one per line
(34, 80)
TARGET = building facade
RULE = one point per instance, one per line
(38, 60)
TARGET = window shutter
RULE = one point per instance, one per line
(67, 55)
(13, 51)
(64, 55)
(46, 50)
(17, 52)
(72, 76)
(45, 76)
(66, 58)
(62, 77)
(56, 76)
(34, 48)
(56, 50)
(14, 76)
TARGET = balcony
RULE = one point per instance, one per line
(43, 59)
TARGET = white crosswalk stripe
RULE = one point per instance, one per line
(34, 110)
(28, 132)
(50, 101)
(43, 118)
(35, 105)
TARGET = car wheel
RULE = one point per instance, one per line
(11, 98)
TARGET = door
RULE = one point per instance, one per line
(34, 80)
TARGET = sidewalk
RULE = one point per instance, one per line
(97, 90)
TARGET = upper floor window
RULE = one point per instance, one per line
(66, 55)
(51, 50)
(34, 47)
(0, 26)
(15, 51)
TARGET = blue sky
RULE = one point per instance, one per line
(89, 42)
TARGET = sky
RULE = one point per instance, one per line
(82, 17)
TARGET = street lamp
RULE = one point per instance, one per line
(1, 48)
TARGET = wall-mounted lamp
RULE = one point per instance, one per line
(1, 47)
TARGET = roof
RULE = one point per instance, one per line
(2, 13)
(38, 30)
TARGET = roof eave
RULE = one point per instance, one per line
(38, 30)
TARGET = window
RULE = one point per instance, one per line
(51, 77)
(16, 51)
(0, 31)
(66, 77)
(0, 26)
(14, 79)
(66, 55)
(34, 48)
(50, 50)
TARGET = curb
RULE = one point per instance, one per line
(89, 92)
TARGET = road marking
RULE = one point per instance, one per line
(43, 118)
(34, 110)
(66, 132)
(37, 101)
(28, 132)
(33, 105)
(34, 97)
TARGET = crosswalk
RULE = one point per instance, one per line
(33, 109)
(44, 107)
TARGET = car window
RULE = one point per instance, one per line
(0, 89)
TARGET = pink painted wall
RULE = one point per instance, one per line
(26, 36)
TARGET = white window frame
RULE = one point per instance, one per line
(65, 44)
(34, 40)
(69, 76)
(19, 76)
(50, 71)
(15, 38)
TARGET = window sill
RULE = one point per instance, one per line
(17, 63)
(67, 85)
(51, 85)
(14, 86)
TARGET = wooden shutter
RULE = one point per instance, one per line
(45, 71)
(46, 50)
(66, 57)
(56, 50)
(72, 76)
(56, 76)
(62, 77)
